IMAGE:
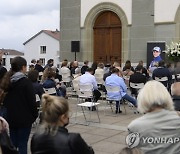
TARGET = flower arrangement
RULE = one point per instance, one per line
(173, 51)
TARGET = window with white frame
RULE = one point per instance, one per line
(42, 49)
(43, 61)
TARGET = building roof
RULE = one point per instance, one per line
(53, 34)
(11, 52)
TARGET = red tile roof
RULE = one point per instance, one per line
(54, 34)
(11, 52)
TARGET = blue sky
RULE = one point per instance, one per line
(21, 19)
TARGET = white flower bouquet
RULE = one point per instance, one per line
(173, 51)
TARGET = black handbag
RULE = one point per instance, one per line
(6, 144)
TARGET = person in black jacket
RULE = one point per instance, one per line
(137, 77)
(19, 102)
(84, 67)
(53, 137)
(38, 88)
(162, 71)
(38, 66)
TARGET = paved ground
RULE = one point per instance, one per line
(106, 137)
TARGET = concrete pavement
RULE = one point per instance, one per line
(106, 137)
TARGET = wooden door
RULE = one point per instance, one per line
(107, 38)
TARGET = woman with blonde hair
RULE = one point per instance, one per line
(159, 123)
(53, 137)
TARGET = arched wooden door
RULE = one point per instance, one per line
(107, 38)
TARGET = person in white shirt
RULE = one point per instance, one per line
(88, 78)
(65, 72)
(100, 70)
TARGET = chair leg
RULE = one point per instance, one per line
(84, 114)
(98, 113)
(107, 105)
(111, 107)
(76, 113)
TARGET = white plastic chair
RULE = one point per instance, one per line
(178, 76)
(66, 77)
(99, 79)
(75, 88)
(113, 89)
(36, 122)
(161, 79)
(86, 91)
(67, 80)
(136, 86)
(50, 91)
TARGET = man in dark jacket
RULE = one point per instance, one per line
(84, 67)
(162, 71)
(38, 66)
(137, 77)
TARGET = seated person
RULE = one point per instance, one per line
(159, 120)
(115, 80)
(137, 77)
(74, 67)
(38, 88)
(88, 78)
(162, 71)
(38, 66)
(58, 77)
(99, 72)
(128, 66)
(117, 65)
(128, 70)
(65, 72)
(175, 92)
(76, 79)
(84, 67)
(49, 82)
(144, 70)
(108, 73)
(53, 137)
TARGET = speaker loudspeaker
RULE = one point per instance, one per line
(75, 46)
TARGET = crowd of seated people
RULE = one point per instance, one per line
(150, 101)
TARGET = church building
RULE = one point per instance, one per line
(116, 30)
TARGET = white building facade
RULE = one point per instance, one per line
(43, 46)
(8, 55)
